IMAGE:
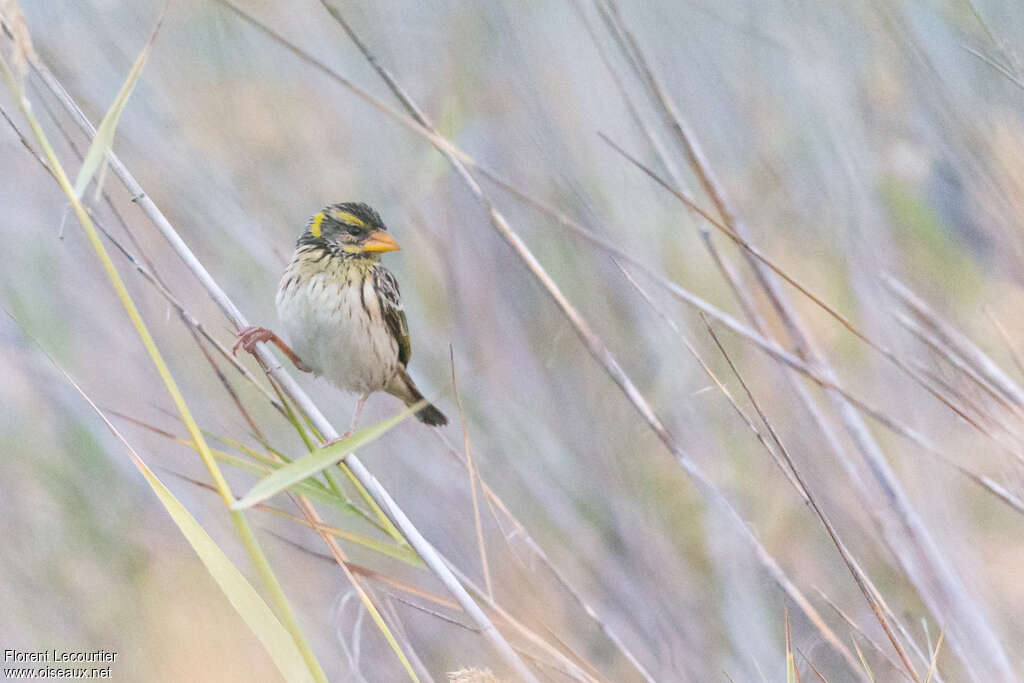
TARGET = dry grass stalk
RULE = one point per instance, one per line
(593, 342)
(473, 675)
(904, 531)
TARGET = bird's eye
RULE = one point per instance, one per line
(356, 231)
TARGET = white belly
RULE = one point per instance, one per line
(336, 335)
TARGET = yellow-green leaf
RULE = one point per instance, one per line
(104, 138)
(276, 640)
(250, 606)
(319, 460)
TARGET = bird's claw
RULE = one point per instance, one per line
(250, 336)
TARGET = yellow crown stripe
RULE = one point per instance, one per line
(351, 219)
(315, 227)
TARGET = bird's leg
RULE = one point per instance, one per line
(352, 425)
(355, 418)
(250, 336)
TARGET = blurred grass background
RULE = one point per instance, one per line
(857, 140)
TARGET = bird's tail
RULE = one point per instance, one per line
(403, 388)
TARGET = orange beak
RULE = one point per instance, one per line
(380, 241)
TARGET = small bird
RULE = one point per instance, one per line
(342, 312)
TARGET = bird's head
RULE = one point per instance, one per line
(350, 229)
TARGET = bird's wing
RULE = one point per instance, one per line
(394, 314)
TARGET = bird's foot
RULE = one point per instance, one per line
(338, 438)
(352, 425)
(249, 337)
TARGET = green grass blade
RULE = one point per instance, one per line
(402, 553)
(276, 640)
(320, 459)
(248, 538)
(104, 138)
